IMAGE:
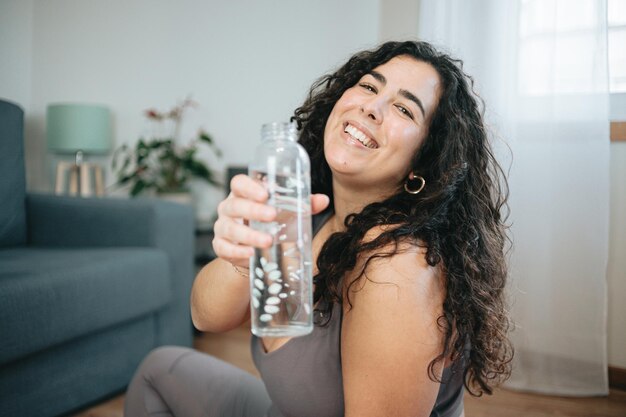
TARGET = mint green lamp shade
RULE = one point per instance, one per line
(78, 127)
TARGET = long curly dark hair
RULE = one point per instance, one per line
(458, 217)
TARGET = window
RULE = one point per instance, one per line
(617, 45)
(554, 35)
(617, 58)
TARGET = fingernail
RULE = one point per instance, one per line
(270, 213)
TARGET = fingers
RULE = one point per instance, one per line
(232, 252)
(241, 234)
(234, 240)
(242, 208)
(243, 186)
(319, 202)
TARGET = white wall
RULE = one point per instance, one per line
(398, 19)
(16, 34)
(245, 62)
(16, 48)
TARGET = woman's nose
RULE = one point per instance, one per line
(372, 110)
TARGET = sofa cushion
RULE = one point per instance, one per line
(12, 176)
(49, 296)
(69, 376)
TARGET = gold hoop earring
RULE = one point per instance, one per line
(412, 177)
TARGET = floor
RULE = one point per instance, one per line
(233, 347)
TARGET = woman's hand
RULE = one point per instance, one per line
(234, 240)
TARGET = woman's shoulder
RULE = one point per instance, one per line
(399, 266)
(402, 245)
(406, 253)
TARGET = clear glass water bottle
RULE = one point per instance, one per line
(281, 293)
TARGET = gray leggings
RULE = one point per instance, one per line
(181, 382)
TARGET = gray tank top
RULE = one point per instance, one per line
(303, 377)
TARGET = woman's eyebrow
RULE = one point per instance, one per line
(379, 77)
(404, 93)
(410, 96)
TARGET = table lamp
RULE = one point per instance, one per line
(78, 129)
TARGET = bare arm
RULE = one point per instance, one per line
(390, 336)
(219, 298)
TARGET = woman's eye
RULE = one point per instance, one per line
(368, 87)
(405, 111)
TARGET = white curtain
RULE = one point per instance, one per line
(541, 66)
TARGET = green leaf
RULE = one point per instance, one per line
(204, 136)
(139, 186)
(156, 144)
(126, 163)
(198, 169)
(125, 178)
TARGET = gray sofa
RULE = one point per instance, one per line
(87, 288)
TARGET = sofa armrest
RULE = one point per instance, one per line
(55, 221)
(78, 222)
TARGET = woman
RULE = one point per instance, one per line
(409, 253)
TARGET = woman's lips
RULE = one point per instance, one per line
(359, 135)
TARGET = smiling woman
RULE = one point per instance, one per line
(408, 259)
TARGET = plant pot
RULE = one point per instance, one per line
(183, 197)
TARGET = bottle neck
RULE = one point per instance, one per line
(279, 131)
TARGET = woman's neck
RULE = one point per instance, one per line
(348, 200)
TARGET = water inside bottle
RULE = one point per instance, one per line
(281, 296)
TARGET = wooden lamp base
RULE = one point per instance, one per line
(82, 179)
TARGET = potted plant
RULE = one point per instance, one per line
(161, 165)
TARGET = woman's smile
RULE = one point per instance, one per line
(356, 133)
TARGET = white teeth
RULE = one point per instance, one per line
(360, 136)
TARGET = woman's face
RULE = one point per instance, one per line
(377, 125)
